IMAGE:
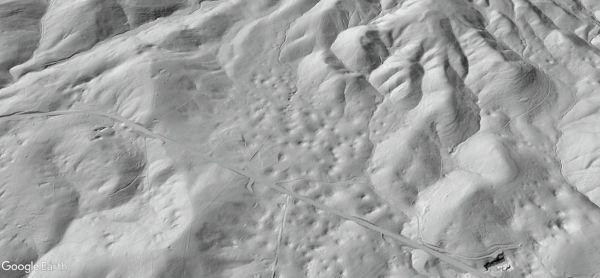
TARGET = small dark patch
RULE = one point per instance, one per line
(143, 15)
(375, 48)
(496, 261)
(208, 237)
(111, 20)
(25, 10)
(82, 80)
(186, 40)
(15, 12)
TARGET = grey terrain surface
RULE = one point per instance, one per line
(299, 138)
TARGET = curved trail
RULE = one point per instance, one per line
(274, 185)
(490, 252)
